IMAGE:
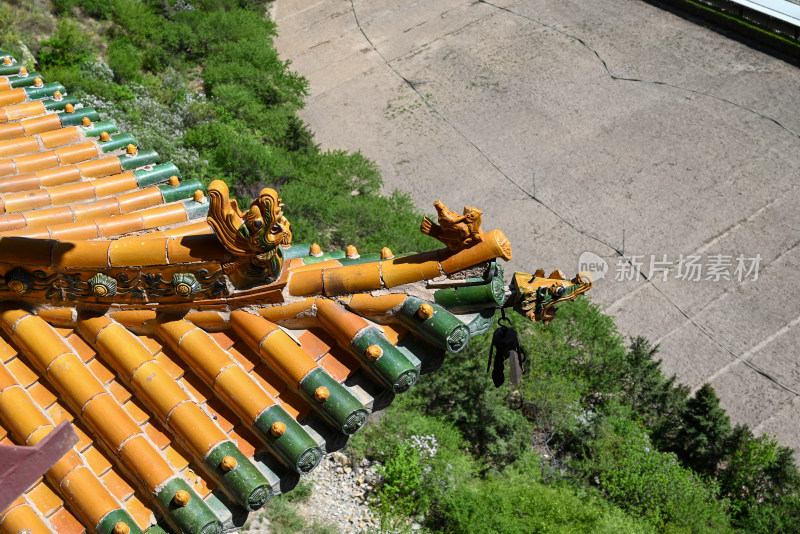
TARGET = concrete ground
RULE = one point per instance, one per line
(679, 173)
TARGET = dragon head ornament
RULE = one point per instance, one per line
(537, 294)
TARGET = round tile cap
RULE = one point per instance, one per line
(277, 429)
(228, 463)
(374, 352)
(181, 498)
(321, 394)
(425, 311)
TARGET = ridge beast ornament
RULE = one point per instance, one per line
(457, 232)
(254, 237)
(533, 296)
(536, 295)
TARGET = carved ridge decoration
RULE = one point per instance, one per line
(537, 295)
(457, 232)
(141, 287)
(253, 238)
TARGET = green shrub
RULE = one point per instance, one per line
(647, 483)
(124, 59)
(63, 7)
(400, 493)
(759, 472)
(781, 516)
(70, 46)
(424, 459)
(99, 9)
(519, 505)
(283, 516)
(462, 392)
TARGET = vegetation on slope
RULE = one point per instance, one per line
(203, 85)
(595, 439)
(592, 419)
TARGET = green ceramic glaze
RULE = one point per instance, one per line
(244, 483)
(194, 518)
(295, 446)
(342, 409)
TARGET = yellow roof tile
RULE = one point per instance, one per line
(199, 484)
(244, 355)
(196, 387)
(108, 259)
(84, 441)
(294, 404)
(44, 499)
(101, 371)
(223, 339)
(17, 111)
(42, 395)
(136, 411)
(97, 460)
(7, 351)
(120, 392)
(222, 414)
(81, 348)
(22, 372)
(120, 489)
(179, 460)
(21, 517)
(65, 523)
(157, 434)
(336, 368)
(316, 343)
(11, 131)
(58, 413)
(246, 441)
(174, 368)
(152, 344)
(139, 512)
(269, 379)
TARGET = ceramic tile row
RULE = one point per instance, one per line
(202, 370)
(67, 175)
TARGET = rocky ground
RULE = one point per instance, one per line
(338, 499)
(693, 165)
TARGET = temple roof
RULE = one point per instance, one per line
(204, 360)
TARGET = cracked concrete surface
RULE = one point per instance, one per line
(678, 172)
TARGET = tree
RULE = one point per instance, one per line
(647, 483)
(705, 427)
(658, 401)
(69, 46)
(759, 475)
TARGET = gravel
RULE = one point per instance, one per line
(339, 498)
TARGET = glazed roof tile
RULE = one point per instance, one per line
(203, 360)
